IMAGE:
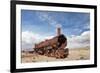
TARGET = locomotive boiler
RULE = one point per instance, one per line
(54, 47)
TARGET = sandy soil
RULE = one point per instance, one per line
(74, 54)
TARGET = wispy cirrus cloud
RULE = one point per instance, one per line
(72, 23)
(44, 16)
(75, 26)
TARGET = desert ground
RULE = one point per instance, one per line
(74, 54)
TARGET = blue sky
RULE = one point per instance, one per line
(45, 22)
(40, 25)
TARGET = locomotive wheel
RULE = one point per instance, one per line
(59, 54)
(66, 51)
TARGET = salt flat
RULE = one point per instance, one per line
(74, 54)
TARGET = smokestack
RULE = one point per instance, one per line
(58, 31)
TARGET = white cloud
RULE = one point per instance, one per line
(79, 41)
(29, 39)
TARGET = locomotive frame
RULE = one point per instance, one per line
(13, 36)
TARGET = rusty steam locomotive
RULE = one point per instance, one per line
(54, 47)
